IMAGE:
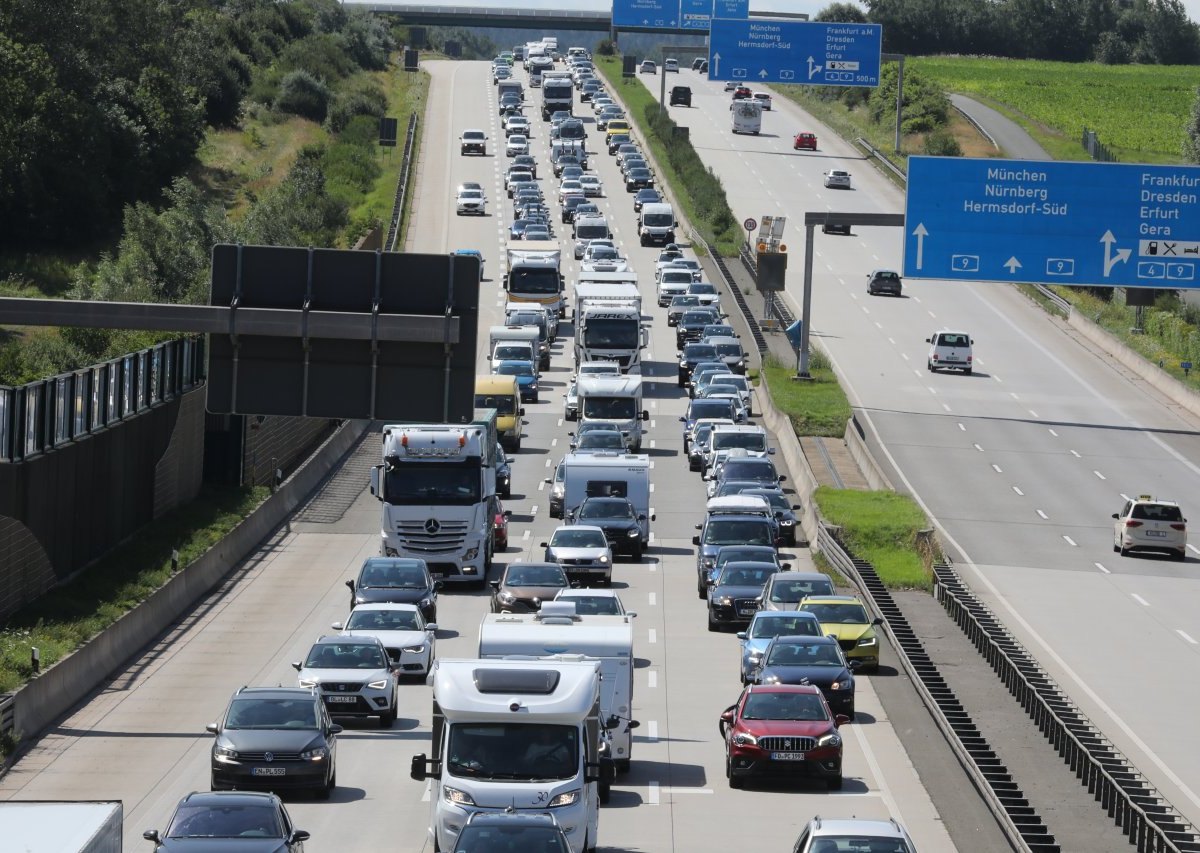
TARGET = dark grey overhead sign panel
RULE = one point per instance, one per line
(408, 351)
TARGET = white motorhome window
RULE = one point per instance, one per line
(614, 333)
(516, 352)
(537, 281)
(610, 408)
(505, 751)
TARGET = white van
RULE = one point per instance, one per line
(513, 343)
(656, 224)
(949, 350)
(746, 115)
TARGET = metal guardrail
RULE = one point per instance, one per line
(1021, 824)
(979, 127)
(1095, 148)
(402, 185)
(1149, 822)
(882, 158)
(39, 416)
(8, 715)
(1054, 299)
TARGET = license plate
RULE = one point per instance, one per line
(343, 699)
(747, 611)
(787, 756)
(1156, 533)
(268, 771)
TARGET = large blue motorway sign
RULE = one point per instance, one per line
(809, 52)
(675, 14)
(1050, 222)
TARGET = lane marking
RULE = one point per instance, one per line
(977, 447)
(547, 463)
(1101, 476)
(1013, 394)
(946, 406)
(654, 565)
(1034, 414)
(553, 441)
(1018, 491)
(653, 598)
(1075, 453)
(652, 732)
(1124, 496)
(687, 790)
(651, 636)
(1139, 599)
(1193, 548)
(652, 794)
(904, 356)
(534, 510)
(525, 536)
(996, 468)
(1100, 566)
(428, 787)
(1184, 634)
(1070, 541)
(961, 427)
(652, 678)
(1053, 433)
(541, 485)
(1043, 515)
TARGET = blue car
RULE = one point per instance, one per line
(766, 626)
(472, 253)
(527, 378)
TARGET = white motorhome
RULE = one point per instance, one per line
(437, 483)
(615, 400)
(558, 630)
(519, 735)
(608, 474)
(608, 325)
(746, 116)
(534, 274)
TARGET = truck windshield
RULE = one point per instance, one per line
(658, 220)
(538, 281)
(610, 408)
(507, 751)
(447, 483)
(616, 333)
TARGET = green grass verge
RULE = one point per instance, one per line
(881, 528)
(817, 406)
(64, 618)
(636, 98)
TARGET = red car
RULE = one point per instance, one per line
(805, 140)
(742, 92)
(782, 730)
(500, 525)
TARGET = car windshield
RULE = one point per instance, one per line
(384, 575)
(606, 509)
(738, 531)
(578, 539)
(784, 706)
(254, 713)
(754, 441)
(695, 318)
(726, 350)
(473, 134)
(227, 820)
(544, 839)
(711, 409)
(595, 605)
(535, 576)
(765, 627)
(571, 130)
(837, 614)
(953, 341)
(760, 470)
(511, 351)
(383, 620)
(703, 288)
(790, 591)
(345, 656)
(515, 368)
(735, 575)
(602, 252)
(777, 500)
(803, 654)
(508, 751)
(601, 441)
(504, 405)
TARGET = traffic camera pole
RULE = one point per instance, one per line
(806, 309)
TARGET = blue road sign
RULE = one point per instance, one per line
(735, 9)
(695, 14)
(651, 14)
(1053, 222)
(814, 53)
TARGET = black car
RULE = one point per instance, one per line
(709, 567)
(736, 594)
(758, 469)
(785, 512)
(646, 195)
(250, 821)
(697, 409)
(810, 660)
(883, 281)
(516, 231)
(503, 473)
(616, 140)
(692, 355)
(681, 96)
(619, 520)
(502, 832)
(572, 128)
(570, 203)
(526, 161)
(510, 102)
(396, 580)
(679, 304)
(830, 228)
(691, 326)
(696, 63)
(638, 178)
(277, 738)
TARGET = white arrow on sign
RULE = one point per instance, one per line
(716, 65)
(1013, 265)
(921, 234)
(762, 74)
(813, 68)
(1111, 260)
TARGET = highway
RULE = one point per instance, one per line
(141, 739)
(1020, 465)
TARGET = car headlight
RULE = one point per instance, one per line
(633, 532)
(604, 558)
(471, 554)
(319, 753)
(786, 523)
(743, 739)
(753, 657)
(506, 597)
(867, 641)
(224, 753)
(770, 679)
(558, 491)
(566, 798)
(381, 684)
(842, 685)
(708, 562)
(414, 650)
(457, 797)
(309, 682)
(724, 600)
(831, 739)
(389, 551)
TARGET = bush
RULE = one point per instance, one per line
(302, 94)
(606, 48)
(365, 99)
(941, 143)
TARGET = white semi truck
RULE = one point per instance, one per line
(515, 735)
(608, 325)
(436, 483)
(61, 826)
(535, 275)
(557, 630)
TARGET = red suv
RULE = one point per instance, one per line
(805, 140)
(782, 730)
(742, 92)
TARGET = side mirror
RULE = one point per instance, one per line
(853, 664)
(547, 481)
(335, 729)
(508, 514)
(1116, 515)
(299, 835)
(494, 584)
(350, 584)
(521, 411)
(727, 715)
(437, 585)
(151, 835)
(211, 728)
(787, 567)
(544, 545)
(695, 540)
(641, 518)
(337, 626)
(699, 526)
(770, 451)
(929, 340)
(431, 626)
(741, 635)
(653, 516)
(840, 720)
(878, 620)
(297, 665)
(645, 415)
(782, 477)
(416, 768)
(682, 419)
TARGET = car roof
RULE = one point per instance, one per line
(833, 599)
(804, 576)
(389, 606)
(587, 527)
(808, 689)
(512, 819)
(232, 798)
(803, 639)
(857, 827)
(278, 692)
(348, 640)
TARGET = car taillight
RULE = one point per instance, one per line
(1132, 523)
(969, 359)
(1177, 526)
(935, 356)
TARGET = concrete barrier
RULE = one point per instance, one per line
(44, 699)
(803, 480)
(861, 454)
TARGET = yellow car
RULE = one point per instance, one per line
(617, 125)
(845, 617)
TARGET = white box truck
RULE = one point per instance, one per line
(515, 735)
(558, 630)
(534, 274)
(609, 474)
(436, 484)
(615, 400)
(61, 826)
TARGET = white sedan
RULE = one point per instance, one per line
(762, 98)
(593, 187)
(471, 201)
(838, 178)
(516, 124)
(571, 186)
(516, 145)
(408, 639)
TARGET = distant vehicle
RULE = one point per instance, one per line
(1146, 524)
(883, 281)
(670, 65)
(696, 63)
(742, 93)
(648, 66)
(804, 140)
(471, 201)
(837, 179)
(746, 115)
(473, 142)
(763, 98)
(681, 96)
(949, 350)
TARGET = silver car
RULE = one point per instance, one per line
(354, 676)
(571, 401)
(407, 638)
(765, 626)
(582, 551)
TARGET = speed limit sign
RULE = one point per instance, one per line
(750, 224)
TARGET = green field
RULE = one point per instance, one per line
(1137, 111)
(881, 528)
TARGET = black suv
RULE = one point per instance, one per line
(258, 819)
(736, 594)
(692, 355)
(396, 580)
(681, 96)
(619, 520)
(277, 738)
(691, 325)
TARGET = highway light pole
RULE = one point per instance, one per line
(899, 58)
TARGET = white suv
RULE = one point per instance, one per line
(1144, 524)
(853, 834)
(354, 677)
(949, 350)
